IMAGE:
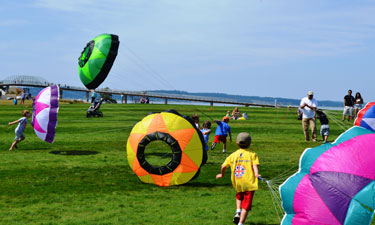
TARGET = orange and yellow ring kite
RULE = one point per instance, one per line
(186, 143)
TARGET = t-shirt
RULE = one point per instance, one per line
(307, 112)
(222, 128)
(205, 136)
(241, 164)
(21, 125)
(358, 101)
(349, 100)
(323, 119)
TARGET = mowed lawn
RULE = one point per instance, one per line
(84, 176)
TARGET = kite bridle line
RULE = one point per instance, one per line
(276, 199)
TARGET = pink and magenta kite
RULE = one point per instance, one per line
(45, 109)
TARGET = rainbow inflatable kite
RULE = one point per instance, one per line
(335, 184)
(185, 141)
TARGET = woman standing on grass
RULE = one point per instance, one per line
(358, 102)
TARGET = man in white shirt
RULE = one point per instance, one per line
(308, 106)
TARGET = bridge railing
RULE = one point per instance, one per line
(181, 97)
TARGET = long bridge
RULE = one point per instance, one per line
(31, 81)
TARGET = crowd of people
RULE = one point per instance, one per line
(144, 100)
(308, 112)
(22, 98)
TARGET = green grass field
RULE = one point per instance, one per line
(84, 176)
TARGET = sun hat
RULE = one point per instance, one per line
(310, 93)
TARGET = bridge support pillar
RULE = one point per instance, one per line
(211, 103)
(124, 99)
(166, 101)
(61, 92)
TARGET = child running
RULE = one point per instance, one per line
(221, 133)
(244, 166)
(22, 122)
(206, 130)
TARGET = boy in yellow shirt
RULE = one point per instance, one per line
(244, 166)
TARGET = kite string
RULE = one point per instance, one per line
(336, 121)
(147, 68)
(282, 176)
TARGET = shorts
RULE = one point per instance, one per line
(358, 106)
(222, 138)
(324, 130)
(348, 110)
(19, 136)
(246, 199)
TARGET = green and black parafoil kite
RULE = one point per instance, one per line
(97, 58)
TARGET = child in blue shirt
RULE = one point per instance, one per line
(206, 130)
(22, 123)
(221, 133)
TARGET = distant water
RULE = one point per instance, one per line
(77, 95)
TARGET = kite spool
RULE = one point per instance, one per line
(183, 138)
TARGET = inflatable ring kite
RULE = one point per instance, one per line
(184, 139)
(96, 59)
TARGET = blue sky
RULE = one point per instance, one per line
(273, 48)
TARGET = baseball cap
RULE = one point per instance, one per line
(243, 139)
(310, 93)
(225, 118)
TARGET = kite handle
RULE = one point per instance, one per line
(262, 179)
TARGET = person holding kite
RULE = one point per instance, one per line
(308, 106)
(244, 166)
(22, 122)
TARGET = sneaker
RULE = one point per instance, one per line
(213, 146)
(236, 218)
(224, 151)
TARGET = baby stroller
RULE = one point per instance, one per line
(94, 109)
